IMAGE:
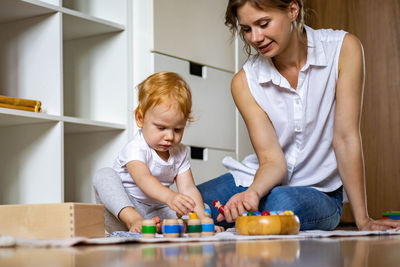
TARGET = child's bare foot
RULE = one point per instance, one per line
(158, 224)
(132, 219)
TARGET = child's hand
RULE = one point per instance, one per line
(158, 224)
(180, 203)
(218, 229)
(136, 227)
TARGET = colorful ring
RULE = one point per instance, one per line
(196, 228)
(149, 229)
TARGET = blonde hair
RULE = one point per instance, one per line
(164, 88)
(234, 5)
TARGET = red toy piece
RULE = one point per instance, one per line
(219, 206)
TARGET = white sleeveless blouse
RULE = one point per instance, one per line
(303, 118)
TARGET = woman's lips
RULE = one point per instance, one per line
(265, 48)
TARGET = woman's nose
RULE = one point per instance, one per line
(256, 36)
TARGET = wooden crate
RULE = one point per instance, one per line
(51, 221)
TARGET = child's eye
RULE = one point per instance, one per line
(160, 128)
(178, 130)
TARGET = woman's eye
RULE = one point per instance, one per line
(264, 24)
(246, 30)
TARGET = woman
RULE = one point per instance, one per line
(300, 97)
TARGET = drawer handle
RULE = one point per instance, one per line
(197, 69)
(198, 153)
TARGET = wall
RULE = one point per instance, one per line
(376, 24)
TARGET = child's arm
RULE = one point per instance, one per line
(152, 187)
(186, 185)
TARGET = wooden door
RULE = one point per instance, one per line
(377, 25)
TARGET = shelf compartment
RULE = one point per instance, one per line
(12, 117)
(31, 164)
(94, 84)
(78, 25)
(77, 126)
(84, 154)
(113, 11)
(30, 66)
(12, 10)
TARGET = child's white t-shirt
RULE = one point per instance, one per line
(165, 172)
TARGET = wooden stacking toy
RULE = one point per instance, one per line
(149, 228)
(274, 223)
(194, 228)
(207, 226)
(171, 228)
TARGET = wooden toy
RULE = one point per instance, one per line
(207, 226)
(394, 215)
(181, 227)
(193, 215)
(278, 224)
(219, 206)
(52, 221)
(170, 228)
(149, 228)
(194, 228)
(207, 212)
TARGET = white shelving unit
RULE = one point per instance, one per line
(81, 59)
(73, 57)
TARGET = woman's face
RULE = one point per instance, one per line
(269, 31)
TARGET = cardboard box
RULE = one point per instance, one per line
(51, 221)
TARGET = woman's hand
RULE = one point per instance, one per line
(239, 203)
(379, 225)
(180, 203)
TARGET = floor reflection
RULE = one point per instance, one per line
(366, 251)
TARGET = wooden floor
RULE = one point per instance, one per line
(360, 251)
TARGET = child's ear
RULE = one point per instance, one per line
(139, 118)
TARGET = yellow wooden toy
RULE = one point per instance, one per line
(283, 224)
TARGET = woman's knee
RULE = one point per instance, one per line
(282, 196)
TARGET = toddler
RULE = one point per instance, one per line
(137, 187)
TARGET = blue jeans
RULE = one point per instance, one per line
(315, 209)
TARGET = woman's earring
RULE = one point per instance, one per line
(293, 25)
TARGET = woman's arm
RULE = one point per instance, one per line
(347, 137)
(152, 187)
(272, 162)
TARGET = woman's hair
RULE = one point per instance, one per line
(234, 5)
(164, 88)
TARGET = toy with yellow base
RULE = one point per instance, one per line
(280, 224)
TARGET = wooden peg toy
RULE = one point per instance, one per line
(193, 215)
(181, 227)
(170, 228)
(219, 206)
(194, 228)
(207, 226)
(149, 228)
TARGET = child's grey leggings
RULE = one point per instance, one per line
(109, 191)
